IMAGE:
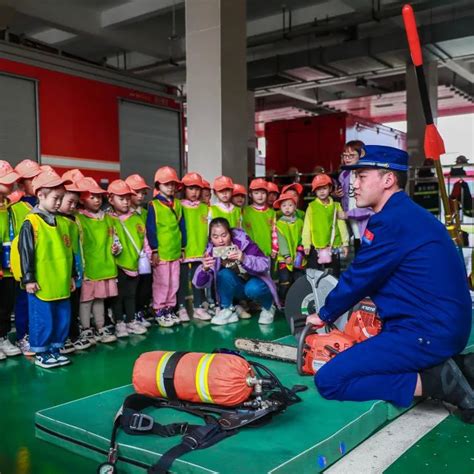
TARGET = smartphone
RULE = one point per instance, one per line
(223, 252)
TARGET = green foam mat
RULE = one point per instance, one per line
(308, 437)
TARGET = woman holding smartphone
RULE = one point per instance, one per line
(239, 270)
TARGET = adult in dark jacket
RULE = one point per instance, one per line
(244, 274)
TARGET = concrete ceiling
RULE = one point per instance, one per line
(311, 55)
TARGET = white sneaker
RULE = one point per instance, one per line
(8, 348)
(89, 335)
(68, 347)
(82, 343)
(136, 328)
(105, 336)
(24, 346)
(121, 329)
(183, 315)
(163, 319)
(241, 312)
(224, 316)
(140, 318)
(202, 314)
(266, 316)
(3, 356)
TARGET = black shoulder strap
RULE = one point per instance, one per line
(168, 375)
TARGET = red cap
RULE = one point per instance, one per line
(222, 182)
(46, 168)
(28, 169)
(284, 197)
(120, 188)
(272, 187)
(296, 186)
(136, 182)
(166, 174)
(74, 175)
(15, 196)
(89, 185)
(48, 179)
(258, 183)
(206, 184)
(192, 179)
(239, 189)
(7, 173)
(320, 180)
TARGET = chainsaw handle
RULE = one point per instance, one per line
(300, 348)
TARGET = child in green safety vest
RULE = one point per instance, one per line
(290, 257)
(258, 219)
(67, 211)
(24, 202)
(166, 234)
(143, 295)
(195, 217)
(99, 245)
(325, 228)
(46, 262)
(206, 193)
(239, 195)
(130, 229)
(223, 187)
(296, 190)
(273, 193)
(7, 283)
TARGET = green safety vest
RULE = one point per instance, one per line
(292, 232)
(97, 238)
(233, 216)
(128, 257)
(196, 230)
(168, 232)
(143, 213)
(321, 219)
(5, 234)
(19, 211)
(258, 225)
(299, 213)
(53, 258)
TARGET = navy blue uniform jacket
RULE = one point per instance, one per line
(411, 269)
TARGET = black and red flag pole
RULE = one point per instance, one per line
(433, 143)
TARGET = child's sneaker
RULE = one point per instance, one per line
(241, 312)
(3, 356)
(121, 329)
(267, 315)
(62, 359)
(202, 314)
(46, 360)
(24, 346)
(89, 334)
(81, 343)
(225, 316)
(183, 315)
(68, 347)
(173, 316)
(140, 318)
(134, 327)
(163, 319)
(8, 348)
(105, 335)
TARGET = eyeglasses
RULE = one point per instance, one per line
(349, 155)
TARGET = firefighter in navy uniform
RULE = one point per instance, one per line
(410, 268)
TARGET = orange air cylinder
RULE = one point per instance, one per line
(220, 379)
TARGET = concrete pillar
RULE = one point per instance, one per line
(251, 136)
(216, 84)
(415, 118)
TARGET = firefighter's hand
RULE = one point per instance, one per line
(32, 287)
(155, 259)
(315, 320)
(307, 251)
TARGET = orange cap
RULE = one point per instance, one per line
(89, 185)
(222, 182)
(192, 179)
(7, 173)
(258, 183)
(239, 189)
(120, 188)
(320, 180)
(74, 175)
(296, 186)
(284, 197)
(206, 184)
(136, 182)
(46, 168)
(272, 187)
(28, 169)
(15, 196)
(48, 179)
(166, 174)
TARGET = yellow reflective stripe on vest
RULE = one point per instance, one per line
(160, 370)
(202, 378)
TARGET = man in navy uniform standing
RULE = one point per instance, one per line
(410, 268)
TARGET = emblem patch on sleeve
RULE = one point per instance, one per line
(368, 237)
